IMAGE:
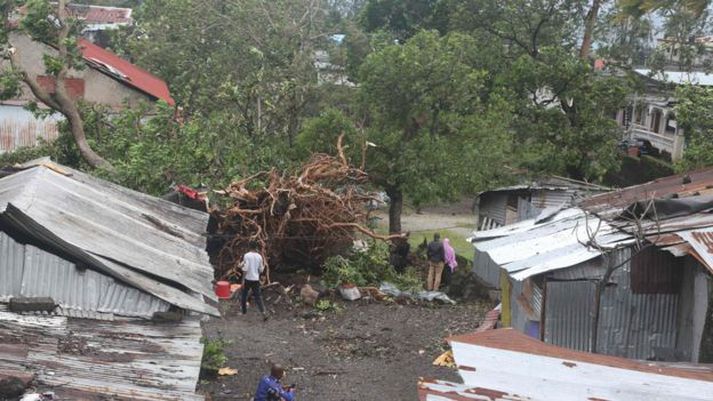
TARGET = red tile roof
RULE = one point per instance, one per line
(100, 14)
(122, 70)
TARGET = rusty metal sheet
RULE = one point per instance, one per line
(88, 360)
(702, 243)
(19, 128)
(440, 390)
(681, 185)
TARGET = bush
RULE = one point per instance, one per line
(213, 354)
(325, 305)
(410, 280)
(368, 267)
(339, 270)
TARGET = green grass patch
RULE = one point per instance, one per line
(463, 248)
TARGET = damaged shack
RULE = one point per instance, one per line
(507, 205)
(625, 273)
(101, 288)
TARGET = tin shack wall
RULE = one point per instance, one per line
(486, 269)
(639, 326)
(29, 271)
(492, 205)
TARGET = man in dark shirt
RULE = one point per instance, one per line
(436, 257)
(399, 252)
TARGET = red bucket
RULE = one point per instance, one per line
(222, 289)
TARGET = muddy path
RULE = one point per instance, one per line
(365, 351)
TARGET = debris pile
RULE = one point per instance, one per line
(296, 219)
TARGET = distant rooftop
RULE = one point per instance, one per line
(101, 17)
(678, 77)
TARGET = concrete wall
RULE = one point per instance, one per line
(98, 87)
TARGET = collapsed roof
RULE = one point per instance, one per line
(145, 242)
(553, 183)
(674, 213)
(94, 360)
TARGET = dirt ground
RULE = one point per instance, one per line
(368, 350)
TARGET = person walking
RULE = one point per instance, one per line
(271, 389)
(434, 253)
(252, 265)
(449, 256)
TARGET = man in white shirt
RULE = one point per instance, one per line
(253, 265)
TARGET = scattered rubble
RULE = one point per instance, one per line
(35, 304)
(392, 290)
(349, 293)
(309, 295)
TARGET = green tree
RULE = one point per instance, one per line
(433, 137)
(253, 59)
(694, 113)
(562, 110)
(402, 18)
(51, 25)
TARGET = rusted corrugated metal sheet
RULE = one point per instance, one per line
(697, 182)
(655, 272)
(701, 241)
(569, 310)
(630, 325)
(639, 326)
(19, 128)
(92, 360)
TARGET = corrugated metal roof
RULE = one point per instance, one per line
(698, 182)
(534, 248)
(509, 362)
(554, 183)
(92, 360)
(91, 15)
(130, 236)
(678, 77)
(702, 243)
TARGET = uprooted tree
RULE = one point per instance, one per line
(296, 219)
